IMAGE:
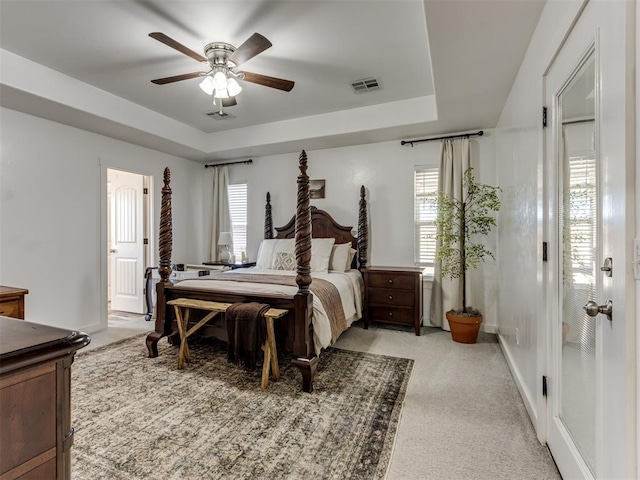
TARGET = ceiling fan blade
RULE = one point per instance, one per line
(254, 45)
(267, 81)
(177, 78)
(229, 102)
(170, 42)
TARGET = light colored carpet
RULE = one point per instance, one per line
(142, 418)
(462, 417)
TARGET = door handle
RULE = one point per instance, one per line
(593, 309)
(113, 250)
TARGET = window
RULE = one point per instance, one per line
(238, 208)
(425, 185)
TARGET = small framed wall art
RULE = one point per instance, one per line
(316, 188)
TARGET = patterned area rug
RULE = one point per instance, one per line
(142, 418)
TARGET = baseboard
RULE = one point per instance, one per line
(93, 328)
(489, 328)
(528, 400)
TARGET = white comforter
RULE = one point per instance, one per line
(349, 285)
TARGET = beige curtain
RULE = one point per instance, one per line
(220, 213)
(447, 292)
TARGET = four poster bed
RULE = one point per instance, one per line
(312, 303)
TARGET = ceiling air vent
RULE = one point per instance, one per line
(220, 115)
(365, 85)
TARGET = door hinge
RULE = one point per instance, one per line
(544, 386)
(544, 252)
(544, 117)
(145, 191)
(145, 241)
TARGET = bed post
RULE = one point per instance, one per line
(268, 222)
(165, 246)
(363, 231)
(303, 349)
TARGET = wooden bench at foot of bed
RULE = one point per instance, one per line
(183, 307)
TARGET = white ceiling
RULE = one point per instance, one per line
(444, 66)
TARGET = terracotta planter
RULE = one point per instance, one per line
(464, 328)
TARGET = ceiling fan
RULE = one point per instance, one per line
(221, 59)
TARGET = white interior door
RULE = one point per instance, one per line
(590, 388)
(126, 249)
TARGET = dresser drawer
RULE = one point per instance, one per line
(403, 316)
(392, 298)
(391, 280)
(10, 308)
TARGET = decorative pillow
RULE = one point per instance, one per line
(352, 253)
(339, 256)
(321, 254)
(265, 253)
(284, 261)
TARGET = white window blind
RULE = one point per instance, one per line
(238, 207)
(425, 185)
(582, 208)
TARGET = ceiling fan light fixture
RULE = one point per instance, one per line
(220, 81)
(233, 87)
(207, 85)
(221, 93)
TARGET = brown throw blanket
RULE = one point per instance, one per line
(325, 291)
(246, 331)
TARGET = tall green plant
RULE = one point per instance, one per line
(459, 223)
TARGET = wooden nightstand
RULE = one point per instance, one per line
(12, 302)
(393, 295)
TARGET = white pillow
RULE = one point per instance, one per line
(286, 245)
(352, 253)
(339, 256)
(270, 248)
(321, 253)
(265, 253)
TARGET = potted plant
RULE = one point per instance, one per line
(459, 224)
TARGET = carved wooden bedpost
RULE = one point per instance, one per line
(303, 349)
(268, 222)
(363, 231)
(165, 246)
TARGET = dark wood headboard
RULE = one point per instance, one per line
(324, 226)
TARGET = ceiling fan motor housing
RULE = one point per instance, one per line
(217, 54)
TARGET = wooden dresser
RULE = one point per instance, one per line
(393, 295)
(35, 399)
(12, 302)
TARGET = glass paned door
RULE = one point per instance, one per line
(578, 231)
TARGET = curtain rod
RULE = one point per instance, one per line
(228, 163)
(411, 142)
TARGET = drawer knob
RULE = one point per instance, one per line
(391, 314)
(390, 297)
(390, 281)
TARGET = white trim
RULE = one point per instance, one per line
(528, 400)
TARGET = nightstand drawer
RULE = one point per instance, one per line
(392, 298)
(404, 316)
(391, 280)
(10, 308)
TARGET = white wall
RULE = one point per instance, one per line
(386, 170)
(52, 217)
(519, 153)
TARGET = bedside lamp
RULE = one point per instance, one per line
(224, 242)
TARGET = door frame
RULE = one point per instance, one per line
(552, 270)
(103, 257)
(620, 360)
